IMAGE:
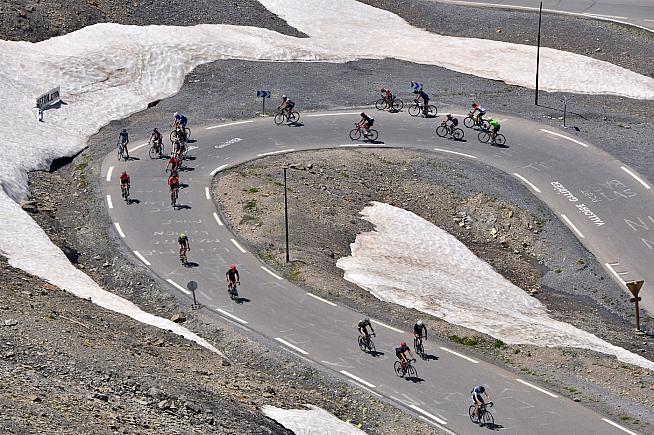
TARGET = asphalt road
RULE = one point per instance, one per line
(637, 12)
(602, 197)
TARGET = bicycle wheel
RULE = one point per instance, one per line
(153, 153)
(468, 121)
(432, 111)
(487, 419)
(279, 118)
(415, 110)
(381, 104)
(471, 413)
(500, 139)
(362, 343)
(411, 372)
(483, 136)
(457, 133)
(372, 135)
(397, 104)
(294, 118)
(441, 131)
(398, 369)
(120, 154)
(419, 349)
(355, 134)
(371, 346)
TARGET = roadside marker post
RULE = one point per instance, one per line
(564, 100)
(634, 288)
(540, 17)
(263, 95)
(193, 286)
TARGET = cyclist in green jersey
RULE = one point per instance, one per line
(494, 128)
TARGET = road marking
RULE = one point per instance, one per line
(215, 216)
(454, 152)
(564, 137)
(292, 346)
(315, 115)
(613, 271)
(636, 177)
(571, 225)
(433, 417)
(276, 152)
(207, 193)
(119, 229)
(240, 248)
(377, 322)
(228, 124)
(139, 147)
(238, 319)
(109, 171)
(649, 21)
(110, 204)
(141, 257)
(537, 388)
(527, 182)
(218, 169)
(460, 355)
(590, 14)
(321, 299)
(619, 427)
(179, 287)
(271, 272)
(352, 145)
(358, 379)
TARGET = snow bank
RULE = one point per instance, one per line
(312, 421)
(442, 277)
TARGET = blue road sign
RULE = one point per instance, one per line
(416, 86)
(263, 94)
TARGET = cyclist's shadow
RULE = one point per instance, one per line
(428, 357)
(376, 354)
(295, 124)
(415, 379)
(191, 264)
(374, 142)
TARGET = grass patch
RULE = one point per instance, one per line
(248, 219)
(278, 183)
(251, 205)
(516, 351)
(466, 341)
(499, 344)
(253, 190)
(295, 274)
(581, 262)
(558, 270)
(344, 174)
(572, 390)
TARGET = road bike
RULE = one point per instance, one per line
(122, 151)
(366, 344)
(358, 131)
(470, 122)
(382, 104)
(174, 134)
(485, 417)
(485, 136)
(290, 116)
(443, 130)
(125, 192)
(233, 292)
(405, 369)
(417, 109)
(174, 193)
(156, 149)
(418, 347)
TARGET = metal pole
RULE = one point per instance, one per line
(540, 15)
(565, 110)
(637, 315)
(286, 214)
(263, 105)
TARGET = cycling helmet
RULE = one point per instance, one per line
(124, 130)
(156, 130)
(481, 389)
(383, 90)
(124, 173)
(175, 114)
(475, 105)
(363, 113)
(366, 320)
(449, 116)
(284, 97)
(232, 267)
(403, 344)
(419, 323)
(182, 236)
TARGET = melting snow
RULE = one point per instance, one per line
(314, 421)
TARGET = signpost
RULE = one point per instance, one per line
(263, 95)
(564, 100)
(416, 86)
(46, 99)
(540, 16)
(634, 288)
(192, 286)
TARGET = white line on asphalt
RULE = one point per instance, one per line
(564, 137)
(433, 417)
(218, 169)
(649, 21)
(271, 272)
(238, 319)
(358, 379)
(109, 172)
(537, 388)
(619, 427)
(571, 225)
(454, 152)
(460, 355)
(350, 145)
(315, 115)
(377, 322)
(240, 248)
(110, 204)
(292, 346)
(636, 177)
(321, 299)
(622, 273)
(215, 216)
(179, 287)
(228, 124)
(207, 193)
(590, 14)
(276, 152)
(613, 271)
(141, 257)
(138, 147)
(527, 182)
(119, 229)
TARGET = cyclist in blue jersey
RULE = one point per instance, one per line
(478, 400)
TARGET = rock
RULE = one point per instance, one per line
(33, 398)
(225, 363)
(178, 318)
(101, 396)
(577, 399)
(28, 205)
(10, 322)
(164, 405)
(22, 13)
(597, 50)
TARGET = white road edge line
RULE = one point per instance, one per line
(109, 172)
(377, 322)
(238, 319)
(292, 346)
(228, 124)
(215, 216)
(139, 147)
(590, 14)
(119, 229)
(321, 299)
(315, 115)
(276, 152)
(636, 177)
(358, 379)
(141, 257)
(529, 183)
(454, 152)
(350, 145)
(571, 225)
(619, 427)
(460, 355)
(179, 287)
(110, 203)
(207, 193)
(271, 272)
(613, 271)
(537, 388)
(240, 248)
(423, 412)
(218, 169)
(564, 137)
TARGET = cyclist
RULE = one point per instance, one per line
(425, 100)
(180, 126)
(480, 111)
(419, 331)
(363, 326)
(388, 97)
(478, 400)
(453, 122)
(184, 245)
(123, 140)
(286, 106)
(232, 276)
(400, 354)
(494, 128)
(124, 182)
(156, 138)
(173, 183)
(179, 145)
(365, 123)
(173, 163)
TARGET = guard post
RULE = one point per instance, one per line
(634, 288)
(193, 286)
(263, 95)
(564, 100)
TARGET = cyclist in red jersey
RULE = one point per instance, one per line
(174, 163)
(388, 96)
(124, 181)
(173, 184)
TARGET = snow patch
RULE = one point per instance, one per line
(312, 421)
